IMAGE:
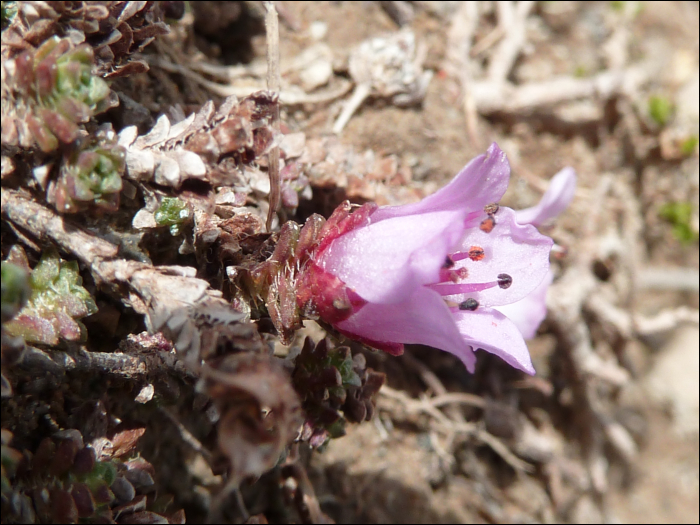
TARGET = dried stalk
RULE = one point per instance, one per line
(459, 41)
(290, 96)
(113, 363)
(680, 279)
(513, 20)
(491, 97)
(273, 85)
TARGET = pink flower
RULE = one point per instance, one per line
(433, 272)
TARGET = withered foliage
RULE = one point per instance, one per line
(65, 480)
(114, 30)
(95, 206)
(212, 145)
(260, 411)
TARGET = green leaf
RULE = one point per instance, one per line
(660, 109)
(57, 302)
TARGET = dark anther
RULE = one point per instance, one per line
(449, 263)
(491, 209)
(470, 304)
(487, 224)
(504, 280)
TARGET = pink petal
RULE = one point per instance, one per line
(423, 319)
(517, 250)
(482, 181)
(529, 312)
(494, 332)
(555, 200)
(405, 246)
(386, 261)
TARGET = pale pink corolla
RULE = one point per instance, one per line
(434, 272)
(530, 311)
(555, 200)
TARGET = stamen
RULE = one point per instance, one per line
(470, 305)
(453, 275)
(491, 209)
(449, 262)
(504, 280)
(487, 224)
(458, 256)
(476, 253)
(454, 289)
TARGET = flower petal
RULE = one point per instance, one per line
(385, 262)
(405, 246)
(492, 331)
(511, 248)
(423, 319)
(555, 200)
(529, 312)
(482, 181)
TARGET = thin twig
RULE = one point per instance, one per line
(665, 320)
(498, 447)
(488, 41)
(491, 96)
(431, 380)
(304, 495)
(134, 367)
(187, 436)
(351, 105)
(457, 63)
(459, 398)
(273, 86)
(415, 405)
(513, 18)
(426, 406)
(426, 374)
(39, 221)
(290, 96)
(680, 279)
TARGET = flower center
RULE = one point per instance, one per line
(452, 279)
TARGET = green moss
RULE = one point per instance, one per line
(174, 213)
(688, 146)
(580, 72)
(680, 214)
(660, 109)
(619, 7)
